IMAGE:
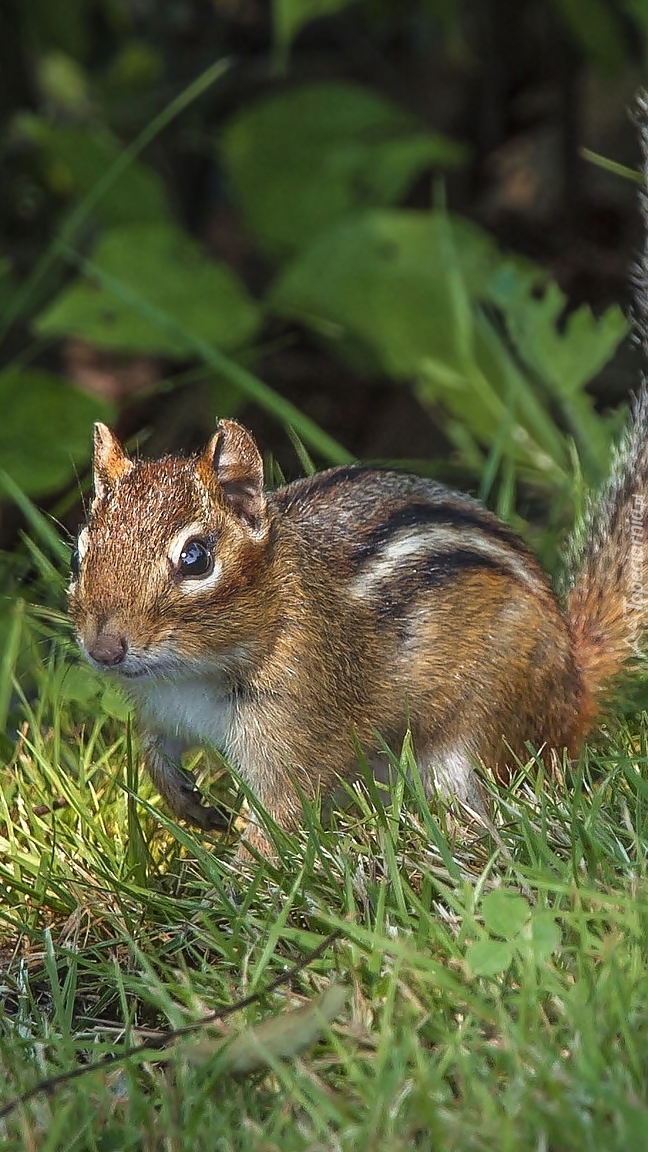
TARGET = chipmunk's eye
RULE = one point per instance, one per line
(196, 560)
(75, 564)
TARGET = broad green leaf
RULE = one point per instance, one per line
(305, 158)
(408, 285)
(167, 269)
(545, 935)
(418, 290)
(80, 684)
(289, 16)
(563, 357)
(505, 913)
(114, 703)
(383, 276)
(489, 957)
(75, 158)
(45, 430)
(566, 355)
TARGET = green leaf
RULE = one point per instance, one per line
(566, 356)
(45, 429)
(563, 356)
(75, 158)
(545, 935)
(162, 265)
(64, 84)
(383, 276)
(409, 285)
(489, 957)
(80, 684)
(505, 913)
(114, 703)
(301, 160)
(281, 408)
(412, 286)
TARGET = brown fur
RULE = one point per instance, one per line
(349, 604)
(606, 599)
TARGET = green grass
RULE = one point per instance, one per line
(497, 993)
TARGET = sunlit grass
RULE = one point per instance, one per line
(117, 923)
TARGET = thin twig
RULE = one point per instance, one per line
(165, 1038)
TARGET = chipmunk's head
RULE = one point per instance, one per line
(163, 573)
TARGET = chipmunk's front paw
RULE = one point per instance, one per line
(209, 817)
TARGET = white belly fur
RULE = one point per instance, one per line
(195, 711)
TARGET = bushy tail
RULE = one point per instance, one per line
(607, 567)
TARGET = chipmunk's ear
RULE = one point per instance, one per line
(234, 459)
(110, 462)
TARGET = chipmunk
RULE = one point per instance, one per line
(286, 628)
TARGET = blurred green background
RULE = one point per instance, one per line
(387, 229)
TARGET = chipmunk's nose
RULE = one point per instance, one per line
(108, 649)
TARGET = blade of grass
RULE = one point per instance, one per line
(81, 213)
(137, 853)
(613, 166)
(9, 659)
(38, 523)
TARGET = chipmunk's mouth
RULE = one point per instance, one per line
(118, 671)
(114, 654)
(119, 658)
